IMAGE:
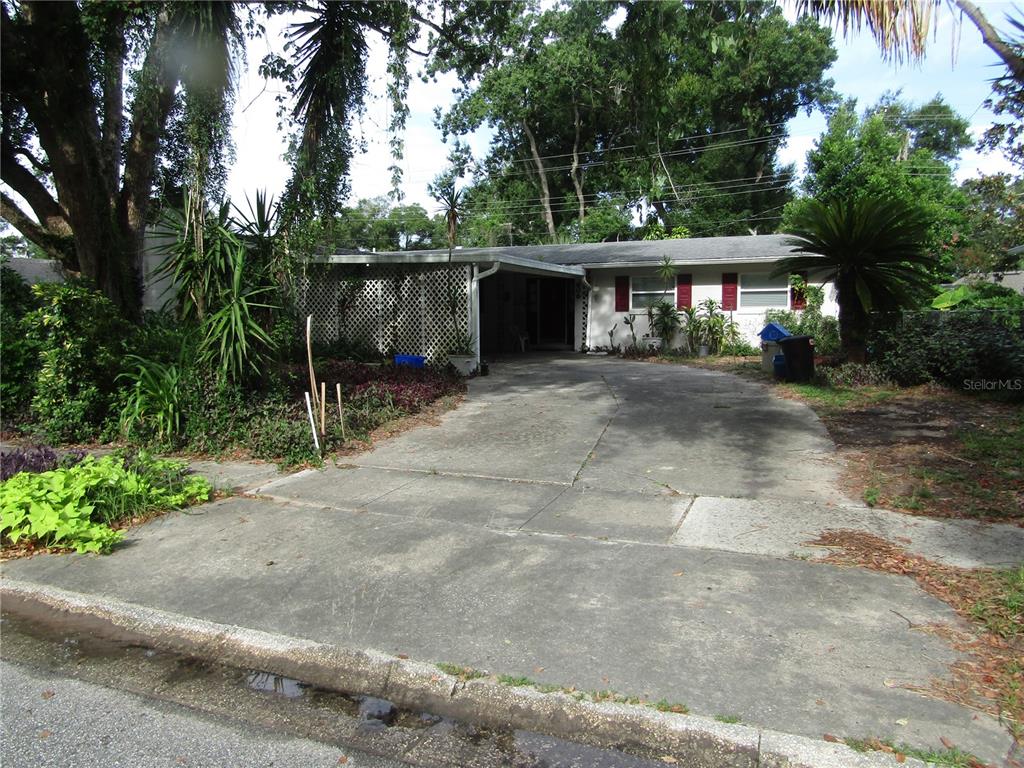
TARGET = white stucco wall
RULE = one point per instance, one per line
(707, 283)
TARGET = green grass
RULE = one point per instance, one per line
(839, 398)
(872, 496)
(515, 681)
(731, 719)
(667, 706)
(463, 673)
(950, 758)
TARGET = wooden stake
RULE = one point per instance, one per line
(323, 408)
(312, 424)
(341, 412)
(309, 354)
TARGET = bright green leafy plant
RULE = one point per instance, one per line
(76, 507)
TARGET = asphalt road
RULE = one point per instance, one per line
(52, 720)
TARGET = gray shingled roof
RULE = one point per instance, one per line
(697, 250)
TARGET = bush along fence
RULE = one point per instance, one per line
(968, 349)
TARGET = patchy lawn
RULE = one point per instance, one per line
(924, 450)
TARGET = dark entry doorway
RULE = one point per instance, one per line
(520, 312)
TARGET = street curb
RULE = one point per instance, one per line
(693, 741)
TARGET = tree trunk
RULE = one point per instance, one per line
(545, 192)
(852, 321)
(991, 38)
(46, 62)
(577, 181)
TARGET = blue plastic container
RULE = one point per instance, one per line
(779, 366)
(773, 332)
(413, 361)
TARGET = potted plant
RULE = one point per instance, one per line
(462, 354)
(665, 323)
(710, 328)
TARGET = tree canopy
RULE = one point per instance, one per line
(893, 151)
(107, 106)
(679, 112)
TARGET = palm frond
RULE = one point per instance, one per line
(900, 27)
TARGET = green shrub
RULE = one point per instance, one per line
(283, 434)
(75, 507)
(810, 321)
(853, 375)
(19, 349)
(82, 340)
(954, 348)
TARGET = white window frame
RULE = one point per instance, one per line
(742, 292)
(667, 294)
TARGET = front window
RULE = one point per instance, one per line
(648, 291)
(763, 292)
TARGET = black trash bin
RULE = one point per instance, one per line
(799, 352)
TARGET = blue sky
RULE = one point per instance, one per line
(859, 72)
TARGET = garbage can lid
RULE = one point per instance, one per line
(794, 339)
(773, 332)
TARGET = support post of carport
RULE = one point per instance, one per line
(474, 304)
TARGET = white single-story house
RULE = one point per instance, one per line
(554, 297)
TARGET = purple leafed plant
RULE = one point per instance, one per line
(39, 458)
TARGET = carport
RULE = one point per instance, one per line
(415, 302)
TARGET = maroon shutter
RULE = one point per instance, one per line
(798, 299)
(729, 283)
(684, 291)
(621, 293)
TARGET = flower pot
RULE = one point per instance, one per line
(464, 364)
(652, 342)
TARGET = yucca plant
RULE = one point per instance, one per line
(233, 341)
(199, 268)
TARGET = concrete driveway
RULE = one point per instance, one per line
(583, 522)
(633, 452)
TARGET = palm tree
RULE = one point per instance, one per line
(452, 207)
(871, 249)
(901, 27)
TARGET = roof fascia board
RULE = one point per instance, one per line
(419, 257)
(685, 262)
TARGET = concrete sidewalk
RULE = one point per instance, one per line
(799, 647)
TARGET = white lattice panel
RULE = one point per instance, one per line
(582, 310)
(394, 309)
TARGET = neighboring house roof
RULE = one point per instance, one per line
(1014, 280)
(34, 271)
(697, 250)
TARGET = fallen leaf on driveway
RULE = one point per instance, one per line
(947, 743)
(45, 734)
(343, 760)
(538, 670)
(48, 695)
(678, 573)
(833, 739)
(902, 721)
(668, 759)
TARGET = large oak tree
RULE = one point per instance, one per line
(89, 90)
